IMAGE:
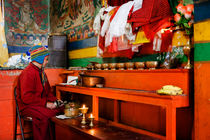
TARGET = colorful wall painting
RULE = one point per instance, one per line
(26, 22)
(73, 18)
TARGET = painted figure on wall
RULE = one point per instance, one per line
(30, 41)
(18, 39)
(26, 20)
(10, 38)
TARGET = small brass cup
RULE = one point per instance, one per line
(139, 65)
(105, 66)
(120, 66)
(112, 66)
(129, 65)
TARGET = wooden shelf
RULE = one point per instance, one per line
(138, 96)
(137, 86)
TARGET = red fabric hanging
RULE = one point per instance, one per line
(147, 48)
(153, 14)
(152, 28)
(116, 2)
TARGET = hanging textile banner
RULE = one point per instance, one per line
(3, 44)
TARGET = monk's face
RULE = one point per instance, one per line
(45, 61)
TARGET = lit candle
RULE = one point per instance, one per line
(91, 116)
(83, 106)
(91, 120)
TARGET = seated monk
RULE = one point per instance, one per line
(34, 95)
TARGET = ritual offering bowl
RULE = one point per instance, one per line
(90, 80)
(151, 64)
(112, 66)
(70, 110)
(98, 66)
(129, 65)
(120, 66)
(105, 66)
(139, 65)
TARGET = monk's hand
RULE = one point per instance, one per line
(50, 105)
(60, 103)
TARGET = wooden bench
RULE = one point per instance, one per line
(72, 129)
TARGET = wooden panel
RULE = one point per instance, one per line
(53, 75)
(8, 76)
(202, 31)
(7, 125)
(6, 136)
(106, 108)
(144, 79)
(142, 116)
(202, 100)
(6, 92)
(7, 108)
(62, 133)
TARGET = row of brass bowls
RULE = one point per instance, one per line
(127, 65)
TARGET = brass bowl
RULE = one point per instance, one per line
(151, 64)
(71, 112)
(129, 65)
(120, 66)
(105, 66)
(98, 66)
(139, 65)
(112, 66)
(91, 81)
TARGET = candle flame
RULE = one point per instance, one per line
(83, 106)
(91, 115)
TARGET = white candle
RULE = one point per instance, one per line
(91, 115)
(83, 106)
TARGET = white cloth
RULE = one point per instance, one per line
(62, 117)
(117, 26)
(128, 33)
(137, 5)
(97, 21)
(106, 24)
(157, 41)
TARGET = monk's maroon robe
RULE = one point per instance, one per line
(32, 97)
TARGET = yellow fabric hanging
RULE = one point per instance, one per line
(3, 44)
(141, 38)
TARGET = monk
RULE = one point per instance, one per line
(34, 95)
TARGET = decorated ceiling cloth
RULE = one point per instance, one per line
(3, 44)
(153, 16)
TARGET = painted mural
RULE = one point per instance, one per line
(26, 22)
(74, 17)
